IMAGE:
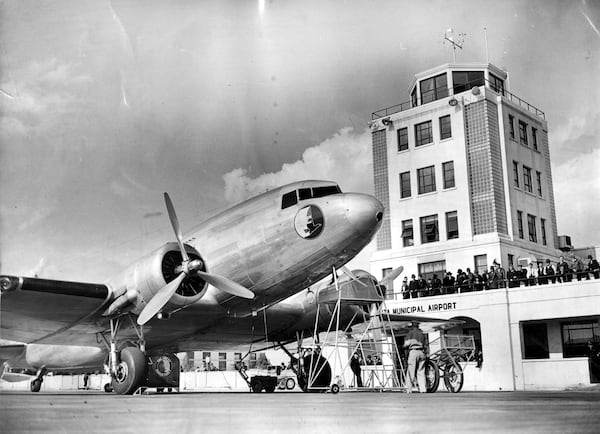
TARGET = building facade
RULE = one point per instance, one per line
(463, 169)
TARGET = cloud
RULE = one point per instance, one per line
(35, 217)
(344, 158)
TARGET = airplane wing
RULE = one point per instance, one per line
(50, 307)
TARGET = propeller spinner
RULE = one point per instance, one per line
(187, 268)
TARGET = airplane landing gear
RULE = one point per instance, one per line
(130, 371)
(36, 383)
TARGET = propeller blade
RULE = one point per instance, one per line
(392, 275)
(176, 228)
(351, 275)
(161, 298)
(226, 285)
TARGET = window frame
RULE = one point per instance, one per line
(543, 230)
(534, 141)
(402, 185)
(424, 223)
(527, 181)
(516, 174)
(449, 216)
(408, 233)
(448, 174)
(480, 263)
(538, 179)
(426, 180)
(402, 146)
(438, 91)
(581, 349)
(523, 133)
(531, 228)
(520, 224)
(428, 269)
(511, 127)
(420, 137)
(442, 124)
(535, 342)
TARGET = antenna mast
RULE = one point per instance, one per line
(449, 37)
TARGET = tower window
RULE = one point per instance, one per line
(423, 134)
(531, 227)
(523, 133)
(426, 179)
(511, 126)
(543, 229)
(451, 225)
(520, 223)
(467, 80)
(407, 233)
(534, 141)
(497, 84)
(405, 185)
(445, 127)
(527, 179)
(434, 88)
(538, 179)
(516, 174)
(448, 172)
(429, 229)
(402, 134)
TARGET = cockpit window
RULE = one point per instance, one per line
(326, 191)
(289, 199)
(304, 193)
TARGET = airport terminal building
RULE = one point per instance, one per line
(463, 169)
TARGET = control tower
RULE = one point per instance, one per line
(463, 169)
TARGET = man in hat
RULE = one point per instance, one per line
(415, 342)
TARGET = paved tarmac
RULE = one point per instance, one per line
(281, 412)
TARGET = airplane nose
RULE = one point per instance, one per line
(364, 212)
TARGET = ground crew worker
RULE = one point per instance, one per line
(415, 342)
(355, 366)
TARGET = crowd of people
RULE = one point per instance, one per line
(539, 273)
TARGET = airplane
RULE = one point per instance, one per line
(229, 281)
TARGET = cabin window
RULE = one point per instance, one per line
(326, 191)
(289, 199)
(304, 193)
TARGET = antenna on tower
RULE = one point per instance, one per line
(458, 43)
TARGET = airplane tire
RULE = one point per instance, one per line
(131, 371)
(108, 388)
(257, 387)
(36, 385)
(432, 376)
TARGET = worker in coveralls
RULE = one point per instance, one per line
(415, 342)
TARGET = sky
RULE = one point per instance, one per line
(106, 105)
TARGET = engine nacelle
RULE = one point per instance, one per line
(135, 287)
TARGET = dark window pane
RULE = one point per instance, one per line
(289, 199)
(466, 80)
(423, 133)
(445, 127)
(448, 169)
(429, 229)
(426, 179)
(576, 335)
(535, 341)
(405, 184)
(407, 233)
(326, 191)
(452, 225)
(402, 139)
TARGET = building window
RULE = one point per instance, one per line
(222, 361)
(434, 88)
(467, 80)
(448, 172)
(534, 141)
(480, 262)
(206, 360)
(527, 179)
(520, 223)
(543, 229)
(405, 185)
(402, 134)
(423, 134)
(429, 229)
(428, 269)
(497, 84)
(516, 174)
(511, 259)
(445, 127)
(575, 336)
(531, 228)
(538, 178)
(523, 133)
(535, 341)
(407, 233)
(413, 97)
(426, 179)
(452, 225)
(511, 126)
(252, 361)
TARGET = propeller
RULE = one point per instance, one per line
(187, 268)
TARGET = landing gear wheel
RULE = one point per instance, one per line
(335, 388)
(108, 388)
(36, 385)
(290, 383)
(131, 370)
(453, 378)
(257, 387)
(432, 376)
